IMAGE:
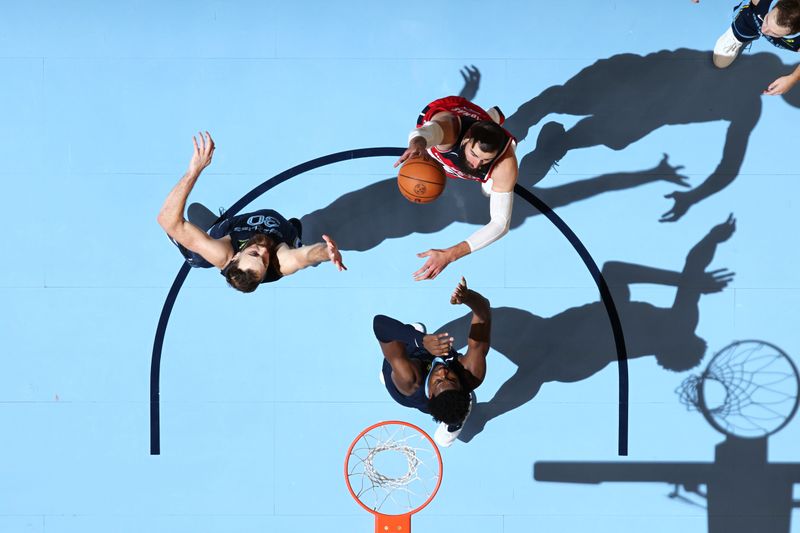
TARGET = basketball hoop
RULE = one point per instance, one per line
(749, 390)
(393, 469)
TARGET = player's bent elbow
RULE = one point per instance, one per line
(506, 227)
(168, 223)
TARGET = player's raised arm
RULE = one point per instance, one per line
(293, 259)
(171, 218)
(501, 201)
(479, 333)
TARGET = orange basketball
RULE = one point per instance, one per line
(421, 180)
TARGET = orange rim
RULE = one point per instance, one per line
(386, 423)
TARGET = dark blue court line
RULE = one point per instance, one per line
(608, 302)
(605, 294)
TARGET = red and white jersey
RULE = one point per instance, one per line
(467, 114)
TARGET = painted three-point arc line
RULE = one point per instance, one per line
(605, 294)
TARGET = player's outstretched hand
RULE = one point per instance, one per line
(666, 172)
(203, 152)
(415, 149)
(472, 299)
(472, 80)
(716, 280)
(683, 202)
(438, 344)
(437, 261)
(780, 86)
(333, 253)
(459, 293)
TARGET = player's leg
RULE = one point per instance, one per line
(743, 30)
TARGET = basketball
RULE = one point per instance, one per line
(420, 180)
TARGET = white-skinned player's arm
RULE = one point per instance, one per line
(293, 259)
(440, 131)
(501, 203)
(171, 219)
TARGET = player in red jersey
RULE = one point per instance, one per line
(469, 143)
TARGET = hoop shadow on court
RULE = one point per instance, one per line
(575, 344)
(748, 392)
(624, 98)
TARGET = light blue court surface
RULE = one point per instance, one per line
(262, 394)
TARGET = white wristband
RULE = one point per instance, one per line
(431, 131)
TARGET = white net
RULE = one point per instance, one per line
(393, 469)
(749, 390)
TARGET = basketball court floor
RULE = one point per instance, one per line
(615, 104)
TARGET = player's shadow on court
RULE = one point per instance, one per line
(362, 219)
(624, 98)
(575, 344)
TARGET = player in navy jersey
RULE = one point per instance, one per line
(469, 143)
(778, 22)
(250, 248)
(424, 372)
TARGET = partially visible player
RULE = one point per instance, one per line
(778, 22)
(249, 249)
(469, 143)
(424, 372)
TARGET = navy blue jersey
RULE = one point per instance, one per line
(749, 19)
(265, 221)
(241, 228)
(390, 330)
(419, 400)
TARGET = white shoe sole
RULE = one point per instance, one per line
(722, 57)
